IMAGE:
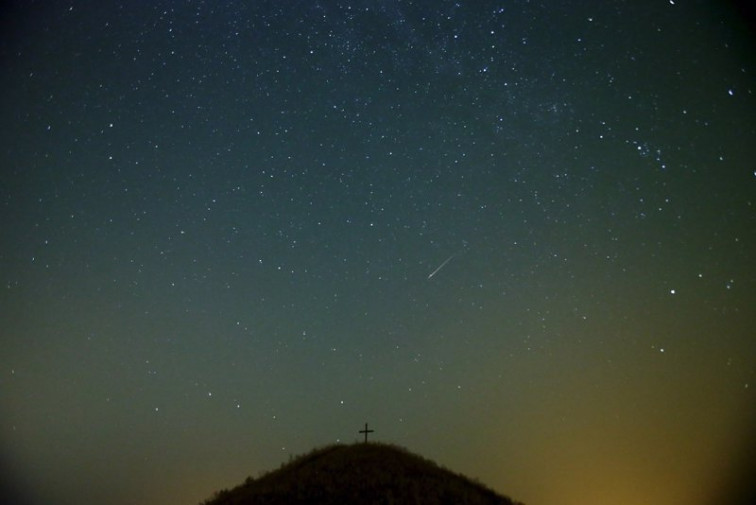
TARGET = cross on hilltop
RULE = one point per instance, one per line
(366, 431)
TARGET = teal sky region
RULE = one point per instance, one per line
(514, 237)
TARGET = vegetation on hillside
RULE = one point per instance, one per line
(364, 474)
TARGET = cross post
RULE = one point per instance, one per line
(366, 431)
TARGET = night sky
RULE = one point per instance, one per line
(515, 237)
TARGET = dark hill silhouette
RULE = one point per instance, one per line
(359, 474)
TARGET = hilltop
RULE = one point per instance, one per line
(359, 474)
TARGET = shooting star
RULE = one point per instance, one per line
(442, 265)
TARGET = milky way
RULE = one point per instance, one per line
(515, 238)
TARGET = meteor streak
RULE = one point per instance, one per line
(442, 265)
